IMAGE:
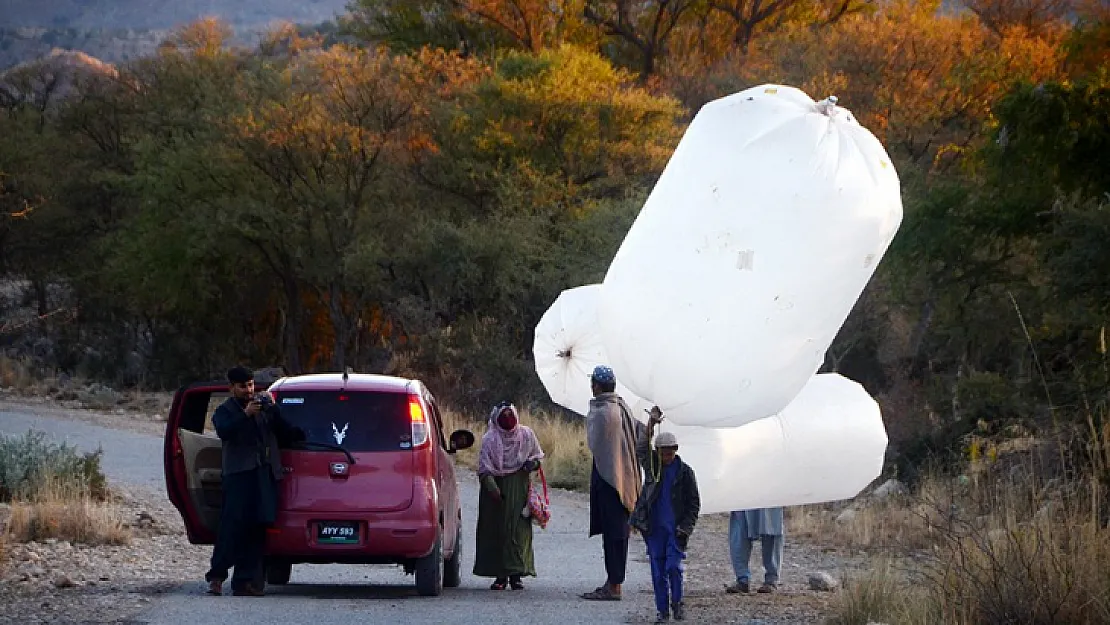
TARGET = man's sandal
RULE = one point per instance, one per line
(602, 593)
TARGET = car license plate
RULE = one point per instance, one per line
(337, 532)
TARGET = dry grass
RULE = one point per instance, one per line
(67, 513)
(883, 595)
(155, 403)
(1012, 548)
(898, 523)
(567, 463)
(55, 492)
(885, 525)
(20, 376)
(1040, 572)
(32, 464)
(17, 374)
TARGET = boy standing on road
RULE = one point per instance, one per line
(665, 514)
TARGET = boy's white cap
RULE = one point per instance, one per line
(666, 439)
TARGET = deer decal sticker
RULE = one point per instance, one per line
(339, 435)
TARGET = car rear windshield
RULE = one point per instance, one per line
(356, 421)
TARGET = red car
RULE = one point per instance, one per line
(374, 482)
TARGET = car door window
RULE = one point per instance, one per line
(214, 402)
(437, 421)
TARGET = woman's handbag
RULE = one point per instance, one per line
(539, 508)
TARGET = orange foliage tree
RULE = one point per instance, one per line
(319, 153)
(923, 82)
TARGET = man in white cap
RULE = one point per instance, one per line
(665, 514)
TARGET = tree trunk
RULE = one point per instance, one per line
(41, 303)
(292, 323)
(742, 38)
(917, 339)
(339, 354)
(647, 67)
(341, 327)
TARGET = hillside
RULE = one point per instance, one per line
(159, 14)
(118, 30)
(49, 79)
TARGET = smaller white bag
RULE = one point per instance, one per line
(827, 445)
(567, 346)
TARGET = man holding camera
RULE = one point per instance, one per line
(251, 429)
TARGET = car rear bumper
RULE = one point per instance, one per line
(382, 538)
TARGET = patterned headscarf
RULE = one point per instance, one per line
(504, 452)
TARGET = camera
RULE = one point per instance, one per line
(264, 399)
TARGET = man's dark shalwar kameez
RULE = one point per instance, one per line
(614, 479)
(251, 470)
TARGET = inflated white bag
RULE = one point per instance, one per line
(826, 445)
(568, 346)
(748, 255)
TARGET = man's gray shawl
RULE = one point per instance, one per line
(611, 434)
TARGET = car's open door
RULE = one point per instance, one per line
(193, 459)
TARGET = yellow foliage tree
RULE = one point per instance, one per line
(923, 82)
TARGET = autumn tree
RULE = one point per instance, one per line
(923, 83)
(407, 25)
(529, 24)
(319, 154)
(468, 26)
(537, 169)
(164, 273)
(747, 17)
(1088, 44)
(43, 232)
(643, 28)
(1036, 16)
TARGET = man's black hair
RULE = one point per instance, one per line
(239, 375)
(606, 387)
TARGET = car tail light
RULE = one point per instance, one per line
(419, 422)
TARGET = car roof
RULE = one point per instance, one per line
(364, 382)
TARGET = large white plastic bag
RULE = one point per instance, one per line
(826, 445)
(748, 255)
(567, 347)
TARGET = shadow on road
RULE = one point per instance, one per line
(363, 591)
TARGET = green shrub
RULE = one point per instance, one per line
(31, 463)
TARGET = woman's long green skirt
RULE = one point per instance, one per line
(503, 546)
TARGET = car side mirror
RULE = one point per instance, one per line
(461, 439)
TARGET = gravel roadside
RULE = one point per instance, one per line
(56, 582)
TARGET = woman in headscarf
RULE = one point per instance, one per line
(510, 453)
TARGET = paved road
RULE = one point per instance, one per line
(567, 561)
(129, 458)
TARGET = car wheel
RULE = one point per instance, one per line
(278, 573)
(452, 568)
(429, 571)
